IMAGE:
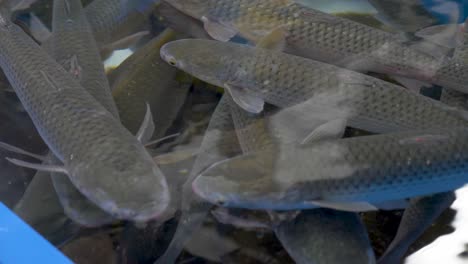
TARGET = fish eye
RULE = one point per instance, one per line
(172, 61)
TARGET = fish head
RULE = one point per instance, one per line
(197, 58)
(193, 8)
(129, 187)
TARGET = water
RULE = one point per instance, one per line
(261, 206)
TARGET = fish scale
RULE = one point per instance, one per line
(324, 37)
(81, 132)
(285, 80)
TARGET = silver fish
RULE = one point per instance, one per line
(254, 76)
(95, 149)
(353, 174)
(326, 236)
(419, 215)
(316, 236)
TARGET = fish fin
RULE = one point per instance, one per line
(161, 139)
(275, 40)
(411, 84)
(392, 205)
(146, 130)
(333, 129)
(38, 29)
(246, 101)
(126, 42)
(447, 35)
(14, 149)
(39, 167)
(217, 30)
(347, 206)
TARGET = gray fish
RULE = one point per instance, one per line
(95, 149)
(407, 16)
(316, 236)
(146, 79)
(50, 220)
(254, 76)
(419, 215)
(219, 143)
(353, 174)
(326, 236)
(324, 37)
(110, 20)
(181, 22)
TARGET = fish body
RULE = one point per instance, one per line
(317, 35)
(419, 215)
(285, 80)
(95, 149)
(368, 169)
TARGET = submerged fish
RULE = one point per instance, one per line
(416, 219)
(254, 76)
(220, 142)
(73, 46)
(146, 79)
(354, 174)
(407, 16)
(326, 236)
(107, 163)
(313, 34)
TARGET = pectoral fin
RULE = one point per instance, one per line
(333, 129)
(345, 206)
(246, 101)
(14, 149)
(146, 130)
(39, 167)
(217, 30)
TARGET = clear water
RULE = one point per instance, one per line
(185, 109)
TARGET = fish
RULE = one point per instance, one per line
(92, 144)
(326, 236)
(254, 76)
(146, 79)
(180, 22)
(50, 221)
(406, 16)
(219, 143)
(323, 37)
(419, 215)
(351, 174)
